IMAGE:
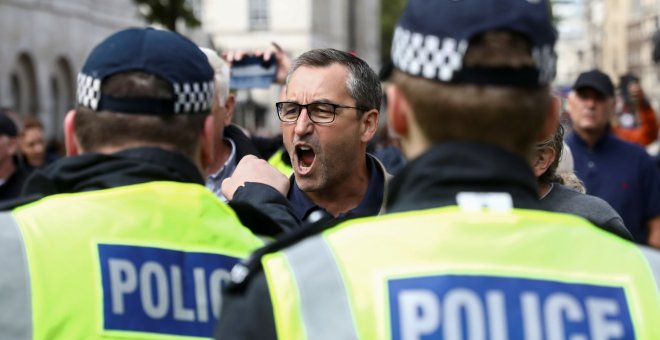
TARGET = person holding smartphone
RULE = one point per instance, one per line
(636, 121)
(231, 144)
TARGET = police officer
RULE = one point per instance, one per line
(128, 243)
(463, 252)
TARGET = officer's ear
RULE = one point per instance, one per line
(70, 141)
(397, 107)
(403, 123)
(206, 142)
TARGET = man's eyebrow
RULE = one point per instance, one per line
(322, 100)
(315, 101)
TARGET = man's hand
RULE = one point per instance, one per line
(283, 61)
(253, 169)
(275, 51)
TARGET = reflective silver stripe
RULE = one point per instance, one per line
(323, 296)
(653, 259)
(15, 295)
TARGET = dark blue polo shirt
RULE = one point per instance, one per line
(622, 174)
(370, 204)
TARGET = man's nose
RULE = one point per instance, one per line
(590, 101)
(304, 125)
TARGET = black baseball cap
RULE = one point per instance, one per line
(7, 125)
(596, 80)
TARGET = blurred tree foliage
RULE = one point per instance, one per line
(390, 12)
(168, 12)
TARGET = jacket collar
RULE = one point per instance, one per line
(436, 177)
(100, 171)
(244, 145)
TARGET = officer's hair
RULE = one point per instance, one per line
(556, 142)
(362, 83)
(509, 117)
(96, 130)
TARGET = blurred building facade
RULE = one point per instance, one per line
(640, 29)
(627, 44)
(580, 47)
(297, 26)
(613, 35)
(43, 45)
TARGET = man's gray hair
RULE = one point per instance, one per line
(362, 83)
(220, 74)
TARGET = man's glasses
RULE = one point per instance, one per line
(319, 113)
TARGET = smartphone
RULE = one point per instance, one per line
(252, 72)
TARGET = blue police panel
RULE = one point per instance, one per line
(161, 291)
(498, 308)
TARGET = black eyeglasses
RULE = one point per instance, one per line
(319, 113)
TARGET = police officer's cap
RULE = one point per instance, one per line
(432, 36)
(165, 54)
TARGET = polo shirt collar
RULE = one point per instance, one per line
(371, 203)
(575, 138)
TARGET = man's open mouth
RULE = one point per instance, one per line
(305, 155)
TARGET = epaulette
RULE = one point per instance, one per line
(13, 203)
(243, 272)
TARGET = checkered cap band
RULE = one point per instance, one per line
(193, 97)
(189, 97)
(427, 56)
(440, 59)
(88, 91)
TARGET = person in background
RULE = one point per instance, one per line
(33, 153)
(464, 250)
(121, 238)
(385, 146)
(12, 175)
(619, 172)
(556, 195)
(387, 150)
(230, 144)
(636, 121)
(271, 148)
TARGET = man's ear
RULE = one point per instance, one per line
(551, 120)
(369, 125)
(70, 141)
(397, 111)
(206, 143)
(230, 103)
(544, 158)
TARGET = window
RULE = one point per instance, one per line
(258, 14)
